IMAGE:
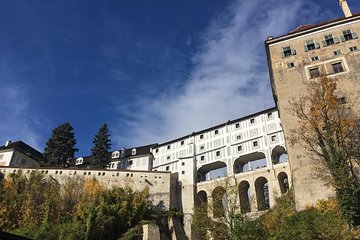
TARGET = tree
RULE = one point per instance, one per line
(102, 144)
(60, 146)
(227, 221)
(328, 129)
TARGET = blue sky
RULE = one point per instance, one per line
(152, 70)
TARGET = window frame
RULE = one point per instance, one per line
(337, 67)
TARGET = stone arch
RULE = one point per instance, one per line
(201, 197)
(249, 162)
(244, 196)
(283, 182)
(218, 201)
(211, 171)
(262, 193)
(279, 155)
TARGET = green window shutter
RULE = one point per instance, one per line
(293, 51)
(354, 35)
(305, 48)
(324, 43)
(317, 45)
(336, 40)
(342, 38)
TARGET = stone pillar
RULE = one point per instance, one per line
(151, 232)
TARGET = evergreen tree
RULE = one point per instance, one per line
(102, 144)
(60, 146)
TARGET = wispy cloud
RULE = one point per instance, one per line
(229, 78)
(18, 122)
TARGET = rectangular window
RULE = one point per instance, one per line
(314, 72)
(273, 138)
(216, 132)
(311, 45)
(168, 147)
(329, 40)
(168, 157)
(238, 137)
(182, 143)
(348, 35)
(182, 172)
(237, 125)
(337, 52)
(269, 115)
(290, 65)
(156, 150)
(337, 67)
(342, 100)
(239, 148)
(255, 144)
(183, 164)
(202, 158)
(202, 136)
(167, 168)
(252, 120)
(314, 58)
(218, 153)
(202, 148)
(287, 51)
(352, 49)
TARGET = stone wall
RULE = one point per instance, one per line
(159, 183)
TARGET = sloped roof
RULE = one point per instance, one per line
(140, 151)
(309, 26)
(25, 149)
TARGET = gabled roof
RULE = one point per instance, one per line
(22, 147)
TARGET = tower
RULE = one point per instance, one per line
(294, 60)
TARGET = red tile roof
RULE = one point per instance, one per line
(309, 26)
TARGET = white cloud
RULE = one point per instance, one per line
(230, 77)
(17, 120)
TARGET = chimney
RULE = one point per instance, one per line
(7, 143)
(344, 6)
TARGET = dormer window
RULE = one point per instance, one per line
(133, 151)
(79, 161)
(287, 51)
(348, 35)
(115, 154)
(311, 45)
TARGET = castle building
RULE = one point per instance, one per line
(299, 57)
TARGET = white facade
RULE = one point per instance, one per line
(237, 146)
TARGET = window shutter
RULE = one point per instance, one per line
(293, 51)
(305, 48)
(336, 40)
(324, 43)
(282, 54)
(342, 38)
(354, 35)
(317, 45)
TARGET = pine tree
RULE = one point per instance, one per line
(102, 144)
(60, 146)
